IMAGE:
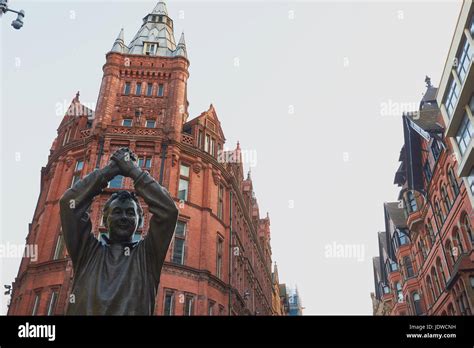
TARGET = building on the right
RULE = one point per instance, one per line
(456, 95)
(295, 307)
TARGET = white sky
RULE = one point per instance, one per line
(323, 171)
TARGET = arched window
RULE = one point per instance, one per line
(408, 267)
(417, 304)
(453, 182)
(422, 247)
(441, 271)
(437, 287)
(466, 225)
(430, 286)
(429, 230)
(449, 251)
(439, 213)
(445, 199)
(457, 241)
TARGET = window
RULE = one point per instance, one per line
(398, 289)
(453, 182)
(472, 282)
(393, 266)
(464, 134)
(126, 89)
(451, 98)
(458, 243)
(403, 236)
(206, 143)
(466, 225)
(150, 48)
(59, 249)
(137, 236)
(189, 305)
(52, 302)
(160, 90)
(450, 252)
(439, 213)
(149, 89)
(220, 202)
(138, 89)
(430, 286)
(435, 149)
(441, 270)
(411, 202)
(168, 306)
(431, 234)
(422, 247)
(427, 171)
(445, 199)
(434, 275)
(178, 244)
(385, 289)
(417, 304)
(408, 267)
(470, 180)
(183, 182)
(36, 304)
(213, 147)
(77, 172)
(144, 162)
(200, 139)
(464, 60)
(210, 310)
(127, 122)
(150, 124)
(116, 182)
(219, 255)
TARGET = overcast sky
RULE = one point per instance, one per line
(315, 88)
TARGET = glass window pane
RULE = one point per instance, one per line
(184, 170)
(183, 189)
(178, 251)
(180, 230)
(116, 182)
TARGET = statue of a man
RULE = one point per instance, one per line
(118, 277)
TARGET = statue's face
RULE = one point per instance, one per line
(122, 220)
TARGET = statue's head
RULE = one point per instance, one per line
(122, 216)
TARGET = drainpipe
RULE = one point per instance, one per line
(230, 253)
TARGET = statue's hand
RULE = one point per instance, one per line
(111, 170)
(125, 160)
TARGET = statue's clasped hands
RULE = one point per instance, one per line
(125, 161)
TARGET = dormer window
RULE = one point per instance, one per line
(150, 48)
(160, 19)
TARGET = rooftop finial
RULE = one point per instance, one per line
(428, 81)
(77, 96)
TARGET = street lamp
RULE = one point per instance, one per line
(18, 22)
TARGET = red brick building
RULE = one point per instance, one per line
(426, 256)
(219, 262)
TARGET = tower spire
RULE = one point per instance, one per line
(119, 44)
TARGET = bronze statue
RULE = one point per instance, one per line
(118, 276)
